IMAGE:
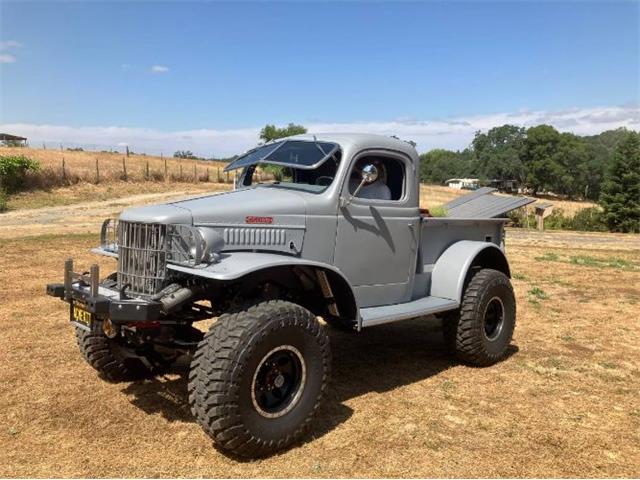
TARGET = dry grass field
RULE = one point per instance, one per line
(565, 403)
(83, 165)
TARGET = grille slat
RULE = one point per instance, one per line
(142, 257)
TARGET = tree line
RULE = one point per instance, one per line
(539, 158)
(603, 167)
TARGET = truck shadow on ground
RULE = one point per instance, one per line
(379, 360)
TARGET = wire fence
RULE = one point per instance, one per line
(122, 148)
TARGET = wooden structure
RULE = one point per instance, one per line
(13, 140)
(543, 210)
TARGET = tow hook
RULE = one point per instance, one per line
(109, 329)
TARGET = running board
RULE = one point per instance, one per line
(392, 313)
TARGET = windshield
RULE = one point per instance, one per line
(299, 154)
(279, 176)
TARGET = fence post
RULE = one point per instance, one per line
(227, 177)
(127, 147)
(195, 172)
(64, 173)
(44, 146)
(208, 178)
(180, 163)
(124, 169)
(97, 171)
(146, 171)
(218, 179)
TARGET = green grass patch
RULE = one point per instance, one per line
(599, 262)
(590, 261)
(519, 276)
(548, 257)
(537, 293)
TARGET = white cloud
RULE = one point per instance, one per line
(452, 133)
(7, 44)
(7, 58)
(159, 69)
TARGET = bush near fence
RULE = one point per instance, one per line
(586, 220)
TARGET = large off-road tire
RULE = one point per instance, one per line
(259, 376)
(111, 360)
(481, 330)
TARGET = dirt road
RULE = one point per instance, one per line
(83, 217)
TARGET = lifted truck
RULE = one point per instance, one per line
(338, 234)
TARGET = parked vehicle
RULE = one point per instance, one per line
(338, 234)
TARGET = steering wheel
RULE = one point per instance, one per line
(324, 180)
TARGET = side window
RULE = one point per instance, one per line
(389, 184)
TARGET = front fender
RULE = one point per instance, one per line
(234, 265)
(450, 270)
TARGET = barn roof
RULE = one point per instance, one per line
(8, 136)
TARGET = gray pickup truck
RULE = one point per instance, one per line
(336, 232)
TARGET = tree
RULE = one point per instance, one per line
(439, 165)
(620, 196)
(271, 132)
(499, 153)
(184, 154)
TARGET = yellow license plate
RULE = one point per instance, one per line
(80, 315)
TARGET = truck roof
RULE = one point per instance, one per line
(362, 140)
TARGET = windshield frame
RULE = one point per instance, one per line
(234, 164)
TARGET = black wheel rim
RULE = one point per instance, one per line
(278, 381)
(493, 318)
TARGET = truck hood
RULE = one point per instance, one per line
(263, 204)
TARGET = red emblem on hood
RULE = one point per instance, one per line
(262, 220)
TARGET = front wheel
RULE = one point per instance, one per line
(115, 361)
(259, 376)
(481, 330)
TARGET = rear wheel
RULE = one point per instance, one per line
(481, 330)
(259, 376)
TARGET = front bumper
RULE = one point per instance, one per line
(102, 301)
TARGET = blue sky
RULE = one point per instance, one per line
(168, 67)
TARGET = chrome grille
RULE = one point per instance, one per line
(142, 257)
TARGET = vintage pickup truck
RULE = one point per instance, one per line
(337, 233)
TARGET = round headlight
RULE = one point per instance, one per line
(212, 243)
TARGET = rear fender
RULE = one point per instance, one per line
(452, 268)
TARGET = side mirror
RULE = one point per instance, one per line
(369, 175)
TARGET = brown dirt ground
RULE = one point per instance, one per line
(564, 404)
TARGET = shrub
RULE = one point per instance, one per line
(589, 220)
(438, 211)
(557, 221)
(3, 201)
(13, 171)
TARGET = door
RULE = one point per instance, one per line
(376, 240)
